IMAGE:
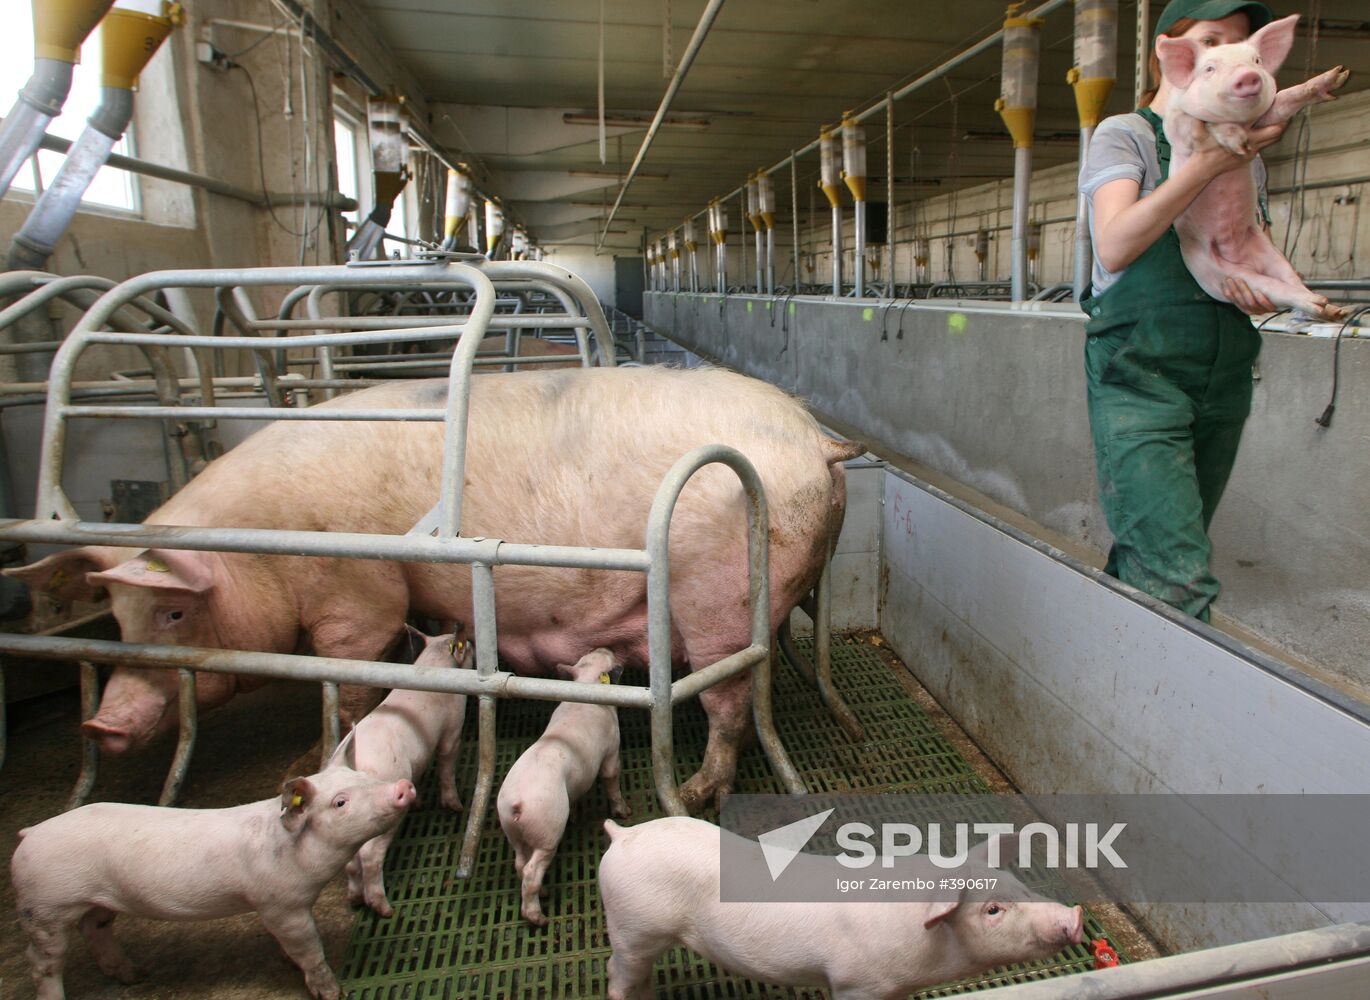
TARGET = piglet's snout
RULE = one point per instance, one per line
(1247, 83)
(404, 794)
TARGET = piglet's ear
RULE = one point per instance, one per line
(296, 794)
(160, 569)
(1178, 57)
(1274, 41)
(939, 911)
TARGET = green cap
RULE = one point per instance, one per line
(1213, 10)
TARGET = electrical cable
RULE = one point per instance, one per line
(1326, 419)
(261, 160)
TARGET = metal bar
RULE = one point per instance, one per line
(1084, 250)
(837, 250)
(794, 223)
(706, 21)
(487, 663)
(1022, 181)
(251, 413)
(272, 541)
(188, 714)
(822, 643)
(693, 683)
(90, 750)
(859, 253)
(332, 722)
(333, 199)
(319, 669)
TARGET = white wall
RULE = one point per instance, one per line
(596, 269)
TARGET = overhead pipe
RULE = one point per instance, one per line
(854, 173)
(932, 75)
(59, 29)
(829, 175)
(706, 21)
(1092, 77)
(754, 217)
(765, 199)
(385, 129)
(1017, 105)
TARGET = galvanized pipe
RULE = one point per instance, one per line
(332, 722)
(701, 31)
(837, 250)
(859, 261)
(1084, 250)
(1022, 180)
(188, 714)
(335, 200)
(51, 215)
(487, 665)
(90, 751)
(770, 260)
(39, 103)
(319, 669)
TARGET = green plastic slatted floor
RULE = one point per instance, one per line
(462, 939)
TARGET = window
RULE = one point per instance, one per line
(349, 169)
(111, 188)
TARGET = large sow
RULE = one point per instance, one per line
(569, 457)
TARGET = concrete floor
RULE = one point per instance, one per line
(244, 750)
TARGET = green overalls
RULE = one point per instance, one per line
(1169, 382)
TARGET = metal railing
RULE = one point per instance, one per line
(436, 539)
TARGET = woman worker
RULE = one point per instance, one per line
(1168, 367)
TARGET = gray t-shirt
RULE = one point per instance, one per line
(1125, 146)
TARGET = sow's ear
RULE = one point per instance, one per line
(939, 912)
(1178, 57)
(1274, 41)
(161, 569)
(65, 576)
(296, 794)
(346, 753)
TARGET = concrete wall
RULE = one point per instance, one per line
(994, 398)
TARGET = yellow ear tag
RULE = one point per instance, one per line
(157, 566)
(604, 679)
(57, 581)
(296, 800)
(452, 647)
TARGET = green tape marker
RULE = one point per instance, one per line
(791, 308)
(749, 307)
(868, 313)
(956, 322)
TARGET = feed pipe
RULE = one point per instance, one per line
(59, 29)
(129, 37)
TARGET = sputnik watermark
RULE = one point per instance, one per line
(1124, 848)
(905, 840)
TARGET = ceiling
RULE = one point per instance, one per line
(504, 74)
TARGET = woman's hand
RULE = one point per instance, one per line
(1246, 298)
(1213, 158)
